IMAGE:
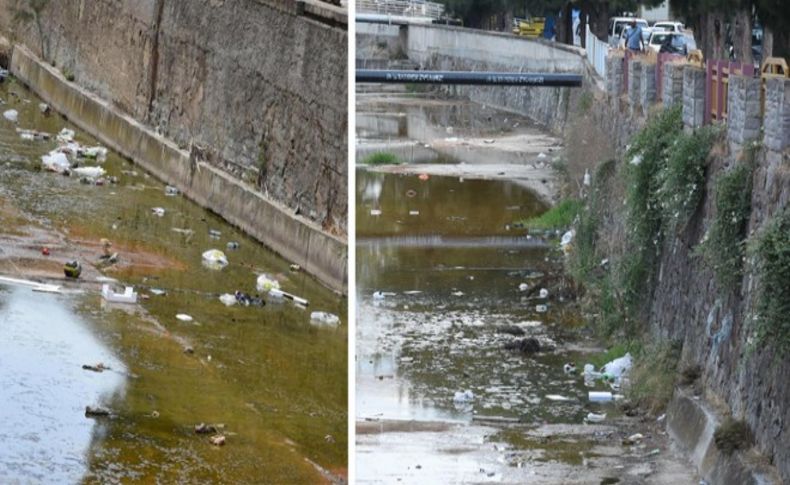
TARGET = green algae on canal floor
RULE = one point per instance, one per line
(275, 381)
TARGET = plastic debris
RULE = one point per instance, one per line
(636, 160)
(595, 418)
(414, 213)
(463, 396)
(542, 156)
(618, 367)
(423, 176)
(11, 115)
(170, 190)
(204, 428)
(277, 293)
(44, 108)
(569, 368)
(587, 180)
(557, 397)
(158, 211)
(128, 295)
(541, 308)
(66, 135)
(214, 259)
(599, 396)
(566, 240)
(72, 269)
(295, 267)
(91, 172)
(523, 287)
(45, 251)
(324, 319)
(544, 293)
(266, 283)
(184, 317)
(232, 245)
(158, 291)
(247, 300)
(227, 299)
(375, 212)
(56, 162)
(215, 234)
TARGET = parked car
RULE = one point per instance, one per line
(671, 42)
(618, 24)
(669, 26)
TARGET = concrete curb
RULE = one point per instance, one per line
(322, 255)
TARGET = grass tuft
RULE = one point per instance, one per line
(560, 216)
(381, 158)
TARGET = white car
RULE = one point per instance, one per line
(676, 42)
(669, 26)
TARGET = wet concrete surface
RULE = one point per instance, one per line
(276, 383)
(440, 264)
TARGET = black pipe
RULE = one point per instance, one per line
(466, 77)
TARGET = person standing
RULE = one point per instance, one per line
(633, 38)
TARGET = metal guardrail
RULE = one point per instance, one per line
(406, 8)
(468, 78)
(596, 52)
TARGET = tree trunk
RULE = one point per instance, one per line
(768, 42)
(742, 36)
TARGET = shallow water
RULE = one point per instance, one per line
(275, 381)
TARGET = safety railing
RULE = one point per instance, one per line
(406, 8)
(596, 52)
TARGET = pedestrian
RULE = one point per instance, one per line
(633, 37)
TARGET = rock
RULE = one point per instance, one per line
(511, 330)
(100, 367)
(218, 440)
(204, 428)
(91, 411)
(528, 345)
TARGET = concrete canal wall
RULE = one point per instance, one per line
(194, 92)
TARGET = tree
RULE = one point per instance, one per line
(25, 11)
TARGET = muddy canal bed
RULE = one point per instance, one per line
(273, 384)
(447, 281)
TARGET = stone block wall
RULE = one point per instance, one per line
(693, 97)
(777, 114)
(672, 84)
(743, 112)
(647, 86)
(634, 82)
(614, 75)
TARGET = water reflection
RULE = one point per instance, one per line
(43, 345)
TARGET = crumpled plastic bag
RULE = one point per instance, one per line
(214, 259)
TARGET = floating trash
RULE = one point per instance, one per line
(170, 190)
(158, 211)
(214, 259)
(11, 115)
(266, 283)
(184, 317)
(227, 299)
(324, 319)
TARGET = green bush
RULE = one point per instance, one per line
(773, 268)
(560, 216)
(381, 158)
(682, 179)
(646, 158)
(653, 376)
(723, 249)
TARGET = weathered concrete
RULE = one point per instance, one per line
(743, 114)
(693, 97)
(615, 75)
(672, 87)
(777, 114)
(261, 84)
(692, 423)
(292, 236)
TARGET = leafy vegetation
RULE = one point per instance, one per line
(682, 179)
(772, 250)
(558, 217)
(381, 158)
(724, 247)
(653, 376)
